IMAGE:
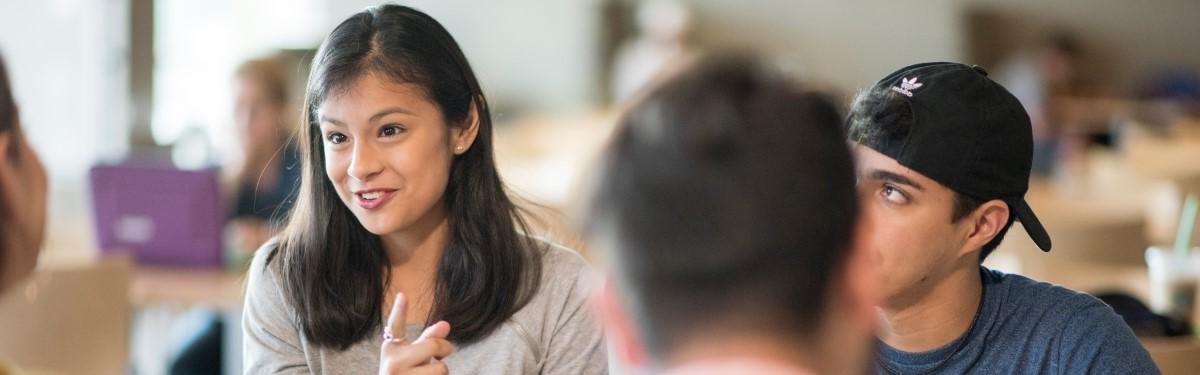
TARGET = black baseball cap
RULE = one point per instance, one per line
(968, 133)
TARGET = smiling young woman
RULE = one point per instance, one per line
(401, 206)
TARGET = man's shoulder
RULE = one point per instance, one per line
(1040, 297)
(1080, 329)
(1047, 310)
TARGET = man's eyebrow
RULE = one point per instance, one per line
(883, 175)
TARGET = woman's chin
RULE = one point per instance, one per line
(379, 229)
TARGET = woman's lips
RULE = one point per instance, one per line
(373, 198)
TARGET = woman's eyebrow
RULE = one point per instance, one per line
(388, 111)
(374, 117)
(333, 121)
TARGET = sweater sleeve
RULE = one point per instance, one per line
(271, 338)
(576, 343)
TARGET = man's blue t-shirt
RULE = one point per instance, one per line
(1030, 327)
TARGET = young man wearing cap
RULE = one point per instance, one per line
(943, 158)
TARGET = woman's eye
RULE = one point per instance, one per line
(335, 138)
(391, 130)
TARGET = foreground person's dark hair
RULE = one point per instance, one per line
(726, 199)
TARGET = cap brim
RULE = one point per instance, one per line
(1031, 223)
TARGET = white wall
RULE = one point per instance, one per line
(848, 44)
(1126, 39)
(532, 54)
(844, 44)
(69, 72)
(197, 47)
(544, 54)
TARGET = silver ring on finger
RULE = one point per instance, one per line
(388, 338)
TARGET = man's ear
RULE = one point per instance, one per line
(462, 137)
(986, 222)
(618, 327)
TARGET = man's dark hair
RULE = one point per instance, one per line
(727, 200)
(883, 114)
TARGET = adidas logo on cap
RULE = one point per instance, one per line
(907, 85)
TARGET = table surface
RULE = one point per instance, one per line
(152, 285)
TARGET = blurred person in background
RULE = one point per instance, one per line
(1035, 76)
(404, 252)
(726, 210)
(663, 27)
(265, 180)
(262, 185)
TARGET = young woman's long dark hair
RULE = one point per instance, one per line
(334, 272)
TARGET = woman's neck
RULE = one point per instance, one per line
(414, 256)
(421, 243)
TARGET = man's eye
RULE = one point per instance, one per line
(889, 191)
(893, 194)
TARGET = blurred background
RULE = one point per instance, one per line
(214, 88)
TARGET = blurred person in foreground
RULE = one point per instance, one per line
(23, 186)
(727, 214)
(22, 193)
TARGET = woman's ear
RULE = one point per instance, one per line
(462, 137)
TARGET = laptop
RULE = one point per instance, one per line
(161, 215)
